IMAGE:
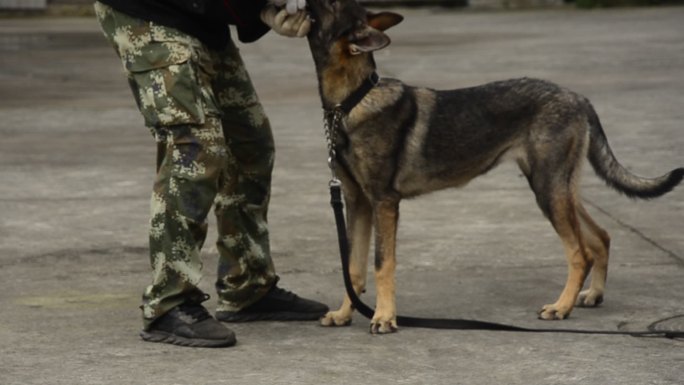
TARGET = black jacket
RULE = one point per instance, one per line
(206, 20)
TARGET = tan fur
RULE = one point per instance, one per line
(342, 75)
(386, 221)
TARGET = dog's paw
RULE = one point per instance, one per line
(589, 298)
(553, 312)
(336, 318)
(378, 326)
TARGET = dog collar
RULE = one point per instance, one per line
(333, 118)
(355, 98)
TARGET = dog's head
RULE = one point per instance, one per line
(343, 27)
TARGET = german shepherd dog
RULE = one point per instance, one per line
(401, 141)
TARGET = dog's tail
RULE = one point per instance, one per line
(617, 176)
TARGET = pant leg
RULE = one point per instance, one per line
(245, 269)
(176, 100)
(184, 191)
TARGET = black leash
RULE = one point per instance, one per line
(333, 118)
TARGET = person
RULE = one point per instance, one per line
(214, 149)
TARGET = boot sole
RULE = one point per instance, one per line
(168, 338)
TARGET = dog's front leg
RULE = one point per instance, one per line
(359, 214)
(386, 221)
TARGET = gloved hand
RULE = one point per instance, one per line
(292, 6)
(291, 25)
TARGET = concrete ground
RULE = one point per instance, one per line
(76, 166)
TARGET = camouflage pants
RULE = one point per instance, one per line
(214, 148)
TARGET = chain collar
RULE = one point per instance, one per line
(332, 120)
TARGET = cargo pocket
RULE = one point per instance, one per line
(165, 84)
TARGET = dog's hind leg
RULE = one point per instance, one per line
(359, 229)
(598, 243)
(552, 170)
(553, 155)
(564, 217)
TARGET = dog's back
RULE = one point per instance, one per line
(435, 139)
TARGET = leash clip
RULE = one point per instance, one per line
(331, 159)
(334, 182)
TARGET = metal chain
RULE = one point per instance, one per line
(331, 121)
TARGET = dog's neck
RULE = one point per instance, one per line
(340, 78)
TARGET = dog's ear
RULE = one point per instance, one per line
(383, 20)
(372, 37)
(367, 40)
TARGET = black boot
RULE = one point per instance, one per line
(189, 325)
(277, 305)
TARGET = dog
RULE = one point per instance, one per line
(396, 141)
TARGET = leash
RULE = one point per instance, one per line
(332, 121)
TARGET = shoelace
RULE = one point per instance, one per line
(284, 294)
(196, 310)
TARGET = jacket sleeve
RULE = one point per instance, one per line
(245, 14)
